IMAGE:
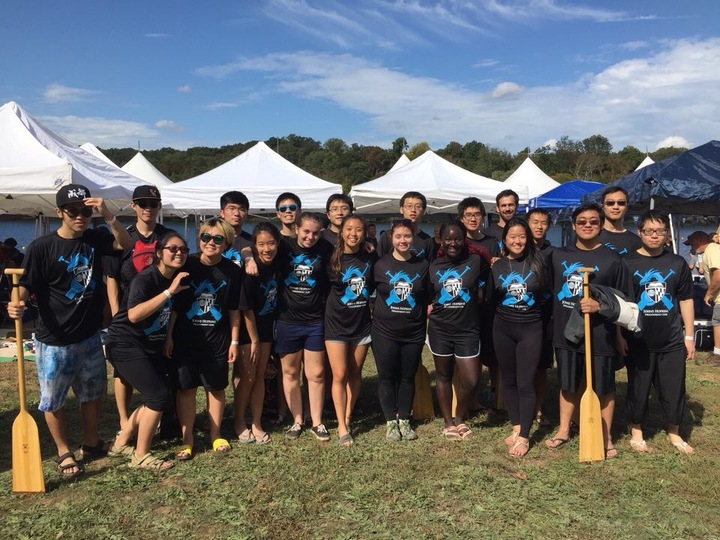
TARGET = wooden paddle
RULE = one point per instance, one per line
(592, 447)
(27, 473)
(422, 407)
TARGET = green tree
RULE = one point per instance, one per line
(399, 146)
(417, 150)
(597, 145)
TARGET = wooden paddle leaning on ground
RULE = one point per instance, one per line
(27, 473)
(592, 447)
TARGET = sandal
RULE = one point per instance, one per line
(346, 440)
(464, 431)
(262, 438)
(511, 439)
(682, 447)
(90, 453)
(120, 451)
(63, 469)
(556, 443)
(541, 420)
(611, 452)
(185, 453)
(451, 433)
(150, 462)
(248, 437)
(516, 449)
(640, 446)
(221, 446)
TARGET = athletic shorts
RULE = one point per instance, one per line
(148, 374)
(365, 340)
(196, 368)
(292, 337)
(80, 366)
(715, 321)
(571, 370)
(459, 347)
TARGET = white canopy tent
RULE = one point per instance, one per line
(444, 184)
(142, 168)
(401, 162)
(531, 177)
(95, 151)
(645, 162)
(35, 163)
(259, 173)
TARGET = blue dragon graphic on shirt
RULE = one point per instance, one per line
(655, 289)
(233, 255)
(402, 286)
(269, 289)
(573, 284)
(302, 270)
(161, 320)
(516, 289)
(611, 246)
(81, 268)
(354, 280)
(205, 295)
(452, 286)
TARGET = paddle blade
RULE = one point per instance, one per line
(422, 407)
(592, 447)
(27, 473)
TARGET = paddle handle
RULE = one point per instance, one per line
(588, 338)
(16, 273)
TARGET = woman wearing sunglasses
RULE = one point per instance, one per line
(205, 332)
(135, 348)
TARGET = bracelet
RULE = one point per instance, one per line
(167, 293)
(111, 221)
(689, 338)
(234, 342)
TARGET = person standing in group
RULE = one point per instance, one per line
(135, 343)
(63, 270)
(371, 234)
(519, 284)
(609, 270)
(288, 210)
(412, 209)
(204, 332)
(299, 330)
(663, 290)
(337, 207)
(456, 281)
(347, 318)
(120, 271)
(506, 206)
(398, 327)
(234, 207)
(614, 235)
(258, 304)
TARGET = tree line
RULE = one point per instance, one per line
(335, 160)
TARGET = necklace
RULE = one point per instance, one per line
(510, 263)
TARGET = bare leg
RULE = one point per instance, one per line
(243, 380)
(338, 357)
(57, 424)
(356, 361)
(186, 414)
(291, 384)
(257, 393)
(315, 373)
(146, 422)
(216, 406)
(568, 402)
(607, 410)
(90, 416)
(123, 396)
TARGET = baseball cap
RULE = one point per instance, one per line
(146, 192)
(698, 237)
(71, 193)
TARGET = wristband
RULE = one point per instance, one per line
(111, 221)
(167, 293)
(234, 342)
(689, 338)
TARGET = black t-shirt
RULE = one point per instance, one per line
(203, 322)
(454, 289)
(347, 313)
(303, 282)
(516, 290)
(496, 231)
(329, 236)
(659, 283)
(621, 243)
(400, 308)
(490, 244)
(609, 270)
(234, 252)
(146, 336)
(422, 246)
(66, 277)
(260, 294)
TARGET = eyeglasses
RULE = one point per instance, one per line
(474, 215)
(217, 239)
(144, 204)
(613, 203)
(654, 232)
(288, 208)
(72, 213)
(591, 222)
(338, 209)
(235, 208)
(413, 206)
(174, 249)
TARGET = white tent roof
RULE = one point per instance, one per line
(260, 174)
(530, 176)
(95, 151)
(645, 162)
(404, 160)
(35, 163)
(140, 166)
(443, 184)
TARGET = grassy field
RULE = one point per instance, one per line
(429, 488)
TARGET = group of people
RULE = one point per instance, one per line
(500, 296)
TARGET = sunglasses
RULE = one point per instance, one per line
(217, 239)
(591, 222)
(72, 213)
(613, 203)
(174, 249)
(288, 208)
(144, 204)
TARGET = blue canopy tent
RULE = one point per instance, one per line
(567, 196)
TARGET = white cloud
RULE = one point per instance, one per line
(184, 88)
(220, 105)
(550, 143)
(485, 62)
(105, 132)
(58, 93)
(157, 35)
(677, 142)
(170, 125)
(507, 89)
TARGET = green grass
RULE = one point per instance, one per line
(429, 488)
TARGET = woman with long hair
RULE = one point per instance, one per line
(347, 318)
(205, 325)
(134, 346)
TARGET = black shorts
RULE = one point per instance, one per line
(195, 369)
(459, 347)
(147, 374)
(571, 369)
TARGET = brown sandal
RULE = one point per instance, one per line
(150, 462)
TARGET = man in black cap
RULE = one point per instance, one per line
(13, 256)
(701, 243)
(63, 270)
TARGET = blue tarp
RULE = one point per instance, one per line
(565, 196)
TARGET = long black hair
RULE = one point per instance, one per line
(530, 253)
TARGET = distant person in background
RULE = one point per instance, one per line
(12, 255)
(412, 209)
(336, 208)
(700, 242)
(506, 206)
(614, 235)
(371, 234)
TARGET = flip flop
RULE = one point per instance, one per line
(640, 446)
(682, 447)
(346, 440)
(556, 443)
(611, 453)
(221, 446)
(519, 444)
(262, 438)
(185, 453)
(249, 437)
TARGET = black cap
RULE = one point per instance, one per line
(71, 193)
(698, 238)
(10, 242)
(146, 192)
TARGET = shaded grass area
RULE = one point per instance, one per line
(429, 488)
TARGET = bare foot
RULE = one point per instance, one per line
(680, 445)
(511, 439)
(520, 448)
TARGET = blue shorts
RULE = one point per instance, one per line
(291, 338)
(80, 366)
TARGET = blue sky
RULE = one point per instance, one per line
(509, 73)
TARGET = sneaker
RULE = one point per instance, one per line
(406, 431)
(294, 431)
(393, 431)
(321, 434)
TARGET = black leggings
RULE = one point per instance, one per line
(147, 374)
(518, 347)
(663, 370)
(397, 362)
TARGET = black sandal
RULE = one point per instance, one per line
(89, 453)
(72, 465)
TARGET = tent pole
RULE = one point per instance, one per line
(672, 234)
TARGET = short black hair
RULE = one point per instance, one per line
(584, 207)
(613, 189)
(234, 197)
(285, 196)
(540, 211)
(414, 195)
(470, 202)
(339, 197)
(653, 215)
(507, 193)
